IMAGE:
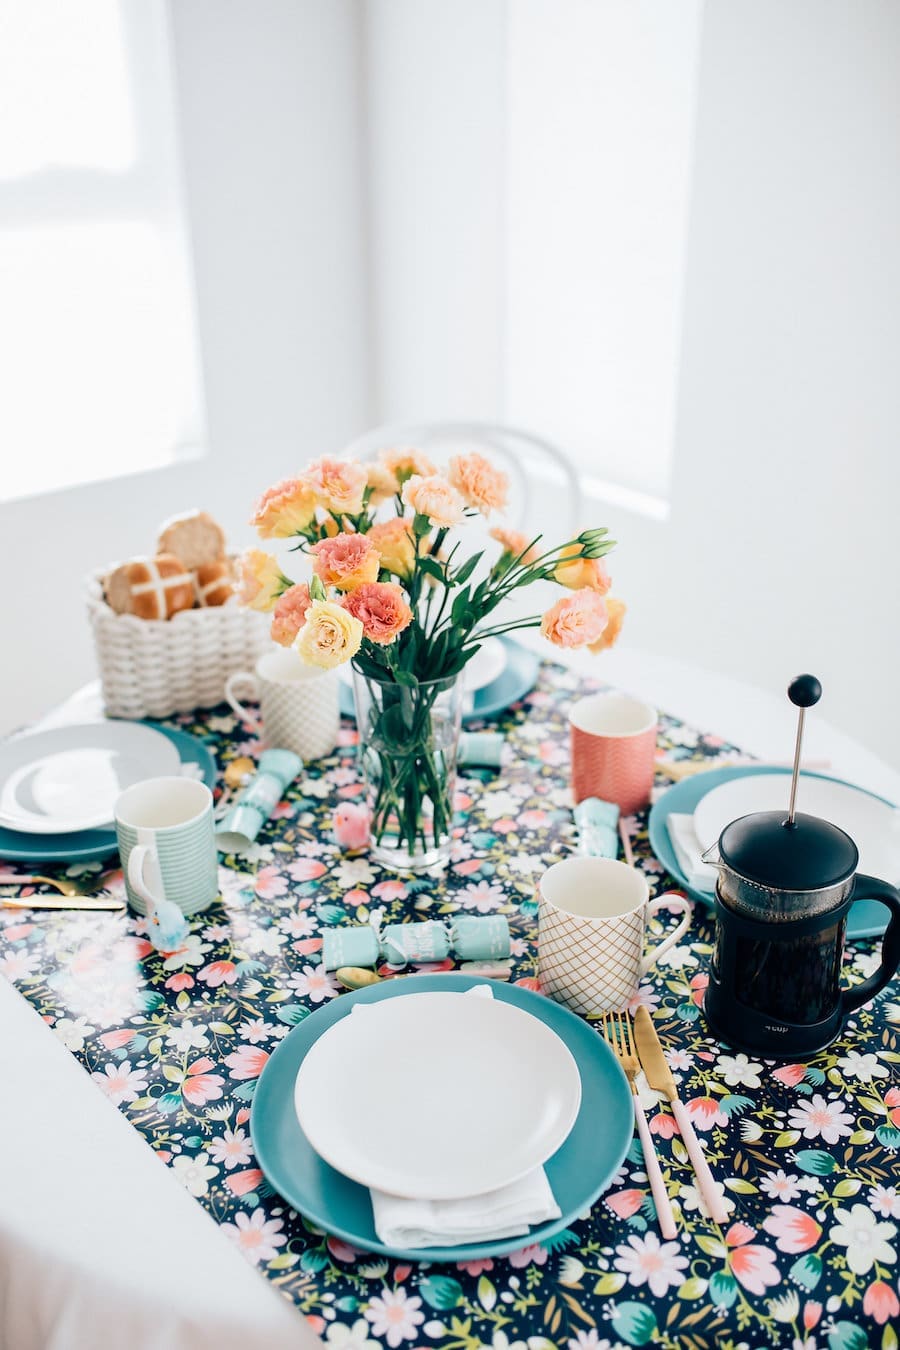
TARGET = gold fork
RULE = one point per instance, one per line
(617, 1034)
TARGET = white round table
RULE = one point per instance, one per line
(100, 1245)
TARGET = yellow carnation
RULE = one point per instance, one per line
(329, 637)
(261, 580)
(616, 611)
(284, 510)
(578, 574)
(394, 541)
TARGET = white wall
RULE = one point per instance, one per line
(778, 551)
(270, 121)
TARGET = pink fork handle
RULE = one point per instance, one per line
(709, 1188)
(651, 1163)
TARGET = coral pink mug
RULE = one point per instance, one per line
(613, 750)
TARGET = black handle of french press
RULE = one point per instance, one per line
(871, 888)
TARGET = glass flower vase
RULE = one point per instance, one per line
(408, 745)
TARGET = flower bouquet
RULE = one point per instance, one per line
(393, 591)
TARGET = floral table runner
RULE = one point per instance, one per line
(807, 1153)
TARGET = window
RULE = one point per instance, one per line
(98, 349)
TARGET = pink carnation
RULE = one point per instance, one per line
(575, 621)
(289, 615)
(346, 561)
(382, 608)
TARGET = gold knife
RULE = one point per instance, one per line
(45, 900)
(659, 1076)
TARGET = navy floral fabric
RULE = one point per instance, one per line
(807, 1152)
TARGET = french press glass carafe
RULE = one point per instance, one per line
(786, 883)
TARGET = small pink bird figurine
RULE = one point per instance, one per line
(351, 824)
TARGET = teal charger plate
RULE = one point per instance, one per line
(578, 1172)
(867, 918)
(93, 845)
(518, 679)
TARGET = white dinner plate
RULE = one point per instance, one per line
(486, 666)
(428, 1097)
(68, 778)
(873, 826)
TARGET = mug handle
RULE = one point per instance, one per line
(138, 858)
(873, 889)
(248, 678)
(666, 901)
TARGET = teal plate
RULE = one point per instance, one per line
(518, 679)
(92, 845)
(578, 1172)
(867, 918)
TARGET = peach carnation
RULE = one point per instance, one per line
(616, 611)
(433, 497)
(478, 482)
(284, 510)
(514, 542)
(382, 608)
(575, 621)
(260, 579)
(578, 573)
(382, 484)
(402, 464)
(338, 484)
(290, 614)
(346, 561)
(395, 544)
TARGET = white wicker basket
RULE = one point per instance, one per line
(154, 667)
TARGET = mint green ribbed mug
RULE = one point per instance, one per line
(167, 844)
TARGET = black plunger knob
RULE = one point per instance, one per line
(804, 691)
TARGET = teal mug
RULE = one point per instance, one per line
(167, 844)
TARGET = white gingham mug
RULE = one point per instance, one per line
(592, 921)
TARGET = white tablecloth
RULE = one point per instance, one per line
(99, 1245)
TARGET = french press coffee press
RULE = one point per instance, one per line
(786, 883)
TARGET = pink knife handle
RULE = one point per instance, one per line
(651, 1163)
(709, 1187)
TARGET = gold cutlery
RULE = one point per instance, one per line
(659, 1076)
(617, 1034)
(679, 769)
(62, 884)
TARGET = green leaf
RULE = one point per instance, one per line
(847, 1187)
(421, 525)
(487, 1294)
(787, 1138)
(174, 1075)
(889, 1339)
(406, 678)
(741, 1187)
(221, 1028)
(463, 573)
(692, 1288)
(634, 1322)
(440, 1292)
(284, 1261)
(711, 1246)
(610, 1282)
(432, 568)
(815, 1160)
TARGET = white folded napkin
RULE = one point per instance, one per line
(697, 873)
(506, 1212)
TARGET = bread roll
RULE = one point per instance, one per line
(214, 583)
(194, 537)
(150, 588)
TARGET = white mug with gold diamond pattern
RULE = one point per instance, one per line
(592, 922)
(299, 705)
